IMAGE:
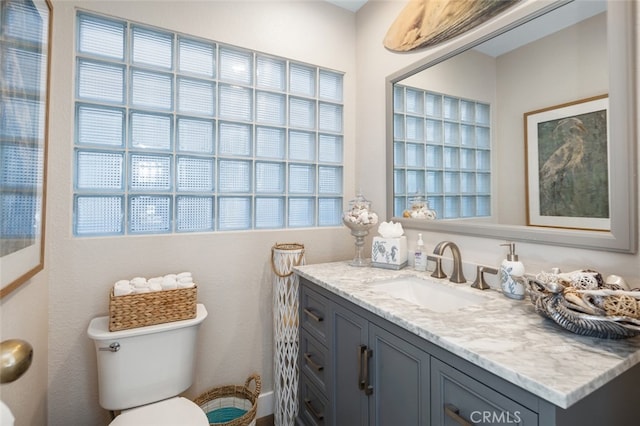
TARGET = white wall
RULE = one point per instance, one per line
(231, 268)
(375, 63)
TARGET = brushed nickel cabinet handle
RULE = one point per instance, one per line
(454, 413)
(368, 389)
(361, 381)
(313, 315)
(312, 363)
(363, 369)
(318, 416)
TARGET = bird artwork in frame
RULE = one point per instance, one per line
(567, 166)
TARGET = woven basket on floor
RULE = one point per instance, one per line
(156, 307)
(231, 405)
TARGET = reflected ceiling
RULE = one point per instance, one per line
(352, 5)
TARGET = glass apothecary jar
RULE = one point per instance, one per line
(359, 218)
(419, 209)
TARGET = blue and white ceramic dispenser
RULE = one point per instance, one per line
(512, 277)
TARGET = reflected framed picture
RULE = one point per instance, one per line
(567, 162)
(24, 94)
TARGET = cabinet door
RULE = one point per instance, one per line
(350, 333)
(400, 375)
(457, 399)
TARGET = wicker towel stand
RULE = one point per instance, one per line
(285, 330)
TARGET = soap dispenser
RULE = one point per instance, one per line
(420, 257)
(512, 274)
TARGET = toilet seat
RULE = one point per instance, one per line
(170, 412)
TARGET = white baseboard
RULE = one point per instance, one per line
(265, 404)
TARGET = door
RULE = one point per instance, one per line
(350, 334)
(400, 377)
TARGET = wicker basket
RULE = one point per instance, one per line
(157, 307)
(231, 405)
(550, 301)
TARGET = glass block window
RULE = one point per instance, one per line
(175, 133)
(442, 152)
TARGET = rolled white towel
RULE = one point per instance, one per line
(139, 290)
(122, 288)
(183, 275)
(155, 280)
(185, 280)
(139, 282)
(186, 285)
(155, 286)
(173, 276)
(169, 283)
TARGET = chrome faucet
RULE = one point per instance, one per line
(456, 276)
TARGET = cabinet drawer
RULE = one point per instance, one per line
(457, 398)
(314, 360)
(314, 310)
(314, 408)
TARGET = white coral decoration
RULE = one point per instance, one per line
(390, 230)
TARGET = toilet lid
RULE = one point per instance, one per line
(170, 412)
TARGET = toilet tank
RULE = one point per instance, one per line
(150, 364)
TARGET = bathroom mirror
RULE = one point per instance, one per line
(543, 55)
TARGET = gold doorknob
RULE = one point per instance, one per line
(15, 358)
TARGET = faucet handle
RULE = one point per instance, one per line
(479, 282)
(437, 270)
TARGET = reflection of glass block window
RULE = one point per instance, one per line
(442, 152)
(175, 133)
(23, 66)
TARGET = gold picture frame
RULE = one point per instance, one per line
(567, 165)
(25, 50)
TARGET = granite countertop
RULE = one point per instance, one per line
(504, 336)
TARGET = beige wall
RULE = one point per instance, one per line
(231, 268)
(564, 74)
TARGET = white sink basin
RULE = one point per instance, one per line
(432, 295)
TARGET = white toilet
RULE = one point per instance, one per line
(142, 370)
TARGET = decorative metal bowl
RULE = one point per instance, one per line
(549, 301)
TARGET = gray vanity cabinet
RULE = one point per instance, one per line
(370, 376)
(358, 368)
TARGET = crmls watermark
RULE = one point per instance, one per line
(495, 417)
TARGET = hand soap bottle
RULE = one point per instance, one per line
(512, 274)
(420, 257)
